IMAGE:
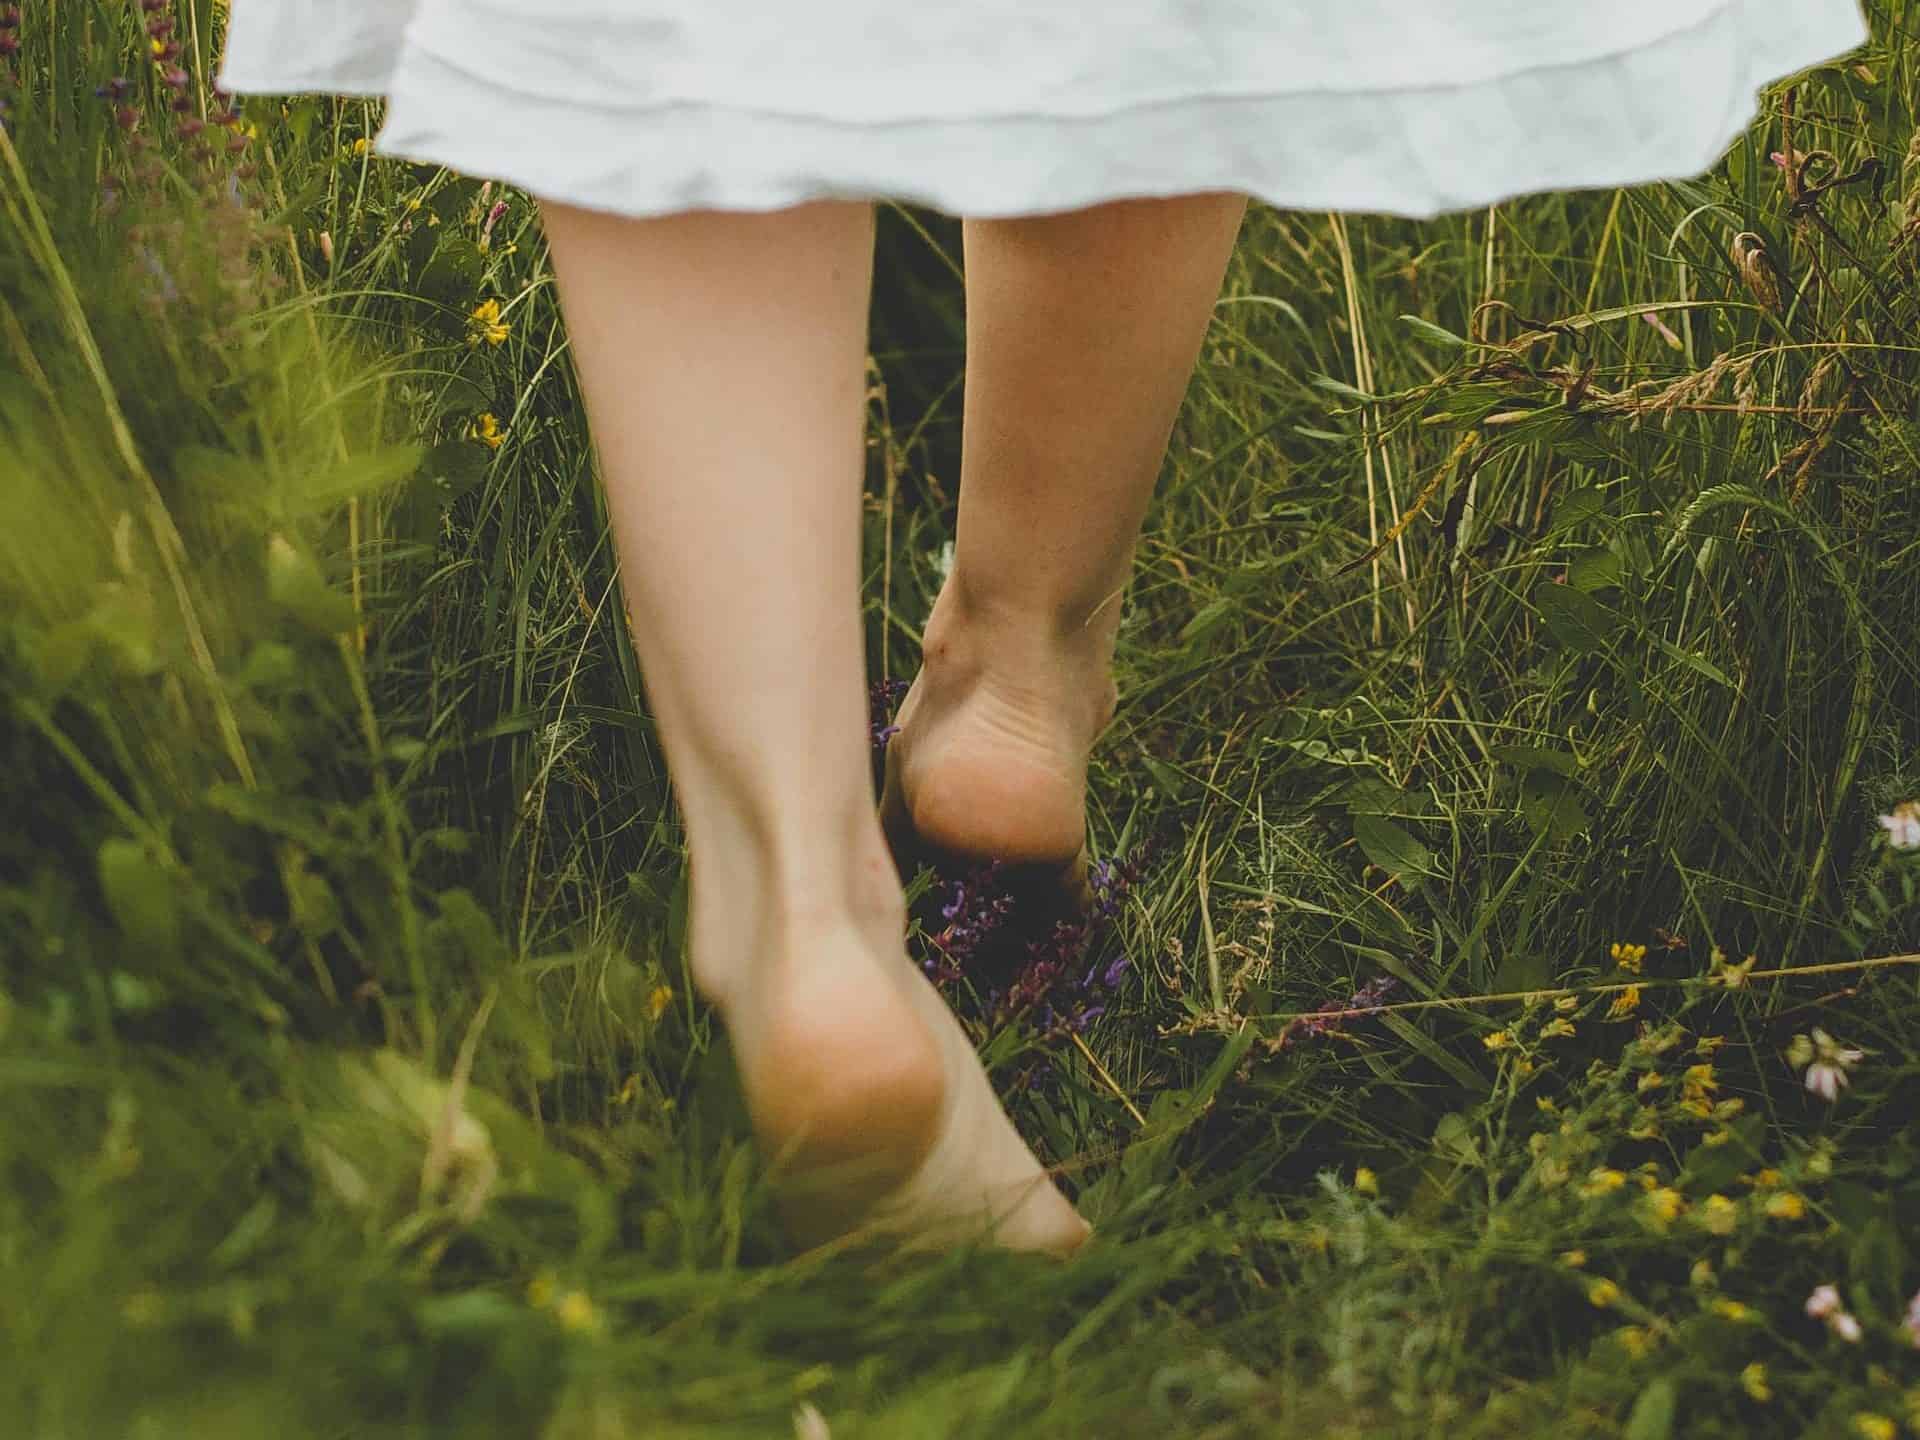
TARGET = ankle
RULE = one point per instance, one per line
(761, 895)
(994, 620)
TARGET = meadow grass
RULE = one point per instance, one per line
(1528, 610)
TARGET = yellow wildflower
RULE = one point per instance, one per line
(1765, 1179)
(1666, 1205)
(1753, 1380)
(1636, 1340)
(1652, 1080)
(1625, 1003)
(486, 429)
(1714, 1139)
(1523, 1064)
(1498, 1040)
(576, 1312)
(1702, 1275)
(1366, 1182)
(1602, 1293)
(1786, 1205)
(1720, 972)
(1603, 1182)
(1646, 1128)
(1708, 1045)
(1555, 1028)
(1700, 1077)
(1545, 1106)
(1628, 957)
(1733, 1310)
(1567, 1004)
(1874, 1427)
(1719, 1214)
(1574, 1259)
(658, 1002)
(360, 146)
(487, 325)
(540, 1291)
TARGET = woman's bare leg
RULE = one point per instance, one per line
(722, 357)
(1082, 333)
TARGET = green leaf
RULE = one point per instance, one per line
(1552, 806)
(1596, 570)
(1206, 621)
(1578, 621)
(1391, 847)
(1434, 334)
(1535, 757)
(140, 894)
(1653, 1413)
(296, 584)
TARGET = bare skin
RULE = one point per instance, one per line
(1082, 333)
(722, 358)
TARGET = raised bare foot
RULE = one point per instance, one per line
(990, 760)
(871, 1108)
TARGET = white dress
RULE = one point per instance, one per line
(1008, 107)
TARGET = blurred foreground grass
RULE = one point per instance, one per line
(1525, 588)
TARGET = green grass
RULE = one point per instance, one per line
(1480, 624)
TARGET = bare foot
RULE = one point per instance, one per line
(872, 1109)
(990, 761)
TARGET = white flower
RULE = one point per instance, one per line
(1903, 826)
(1824, 1304)
(1826, 1081)
(1913, 1320)
(1827, 1062)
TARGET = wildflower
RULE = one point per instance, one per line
(486, 429)
(1556, 1028)
(1826, 1061)
(1628, 957)
(1733, 1310)
(486, 228)
(1624, 1003)
(1665, 1205)
(1567, 1004)
(1701, 1276)
(658, 1001)
(1636, 1340)
(1545, 1105)
(1912, 1323)
(1719, 1214)
(1874, 1427)
(360, 146)
(1753, 1380)
(1652, 1080)
(1786, 1205)
(1647, 1127)
(540, 1291)
(1366, 1182)
(1903, 826)
(1602, 1294)
(1729, 976)
(486, 324)
(1603, 1182)
(1666, 331)
(576, 1312)
(1763, 1179)
(1574, 1259)
(1498, 1040)
(1714, 1139)
(1824, 1304)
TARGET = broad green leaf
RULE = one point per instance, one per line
(1653, 1413)
(1578, 621)
(140, 894)
(1391, 847)
(1427, 330)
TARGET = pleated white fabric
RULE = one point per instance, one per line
(1009, 107)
